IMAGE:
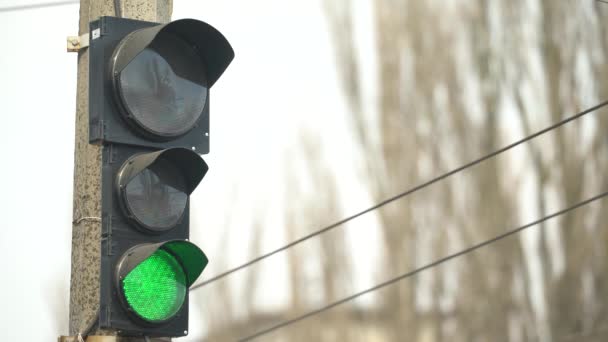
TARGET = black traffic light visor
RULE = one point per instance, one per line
(189, 163)
(213, 48)
(192, 258)
(153, 188)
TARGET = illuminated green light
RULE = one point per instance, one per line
(156, 288)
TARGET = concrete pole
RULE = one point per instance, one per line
(86, 227)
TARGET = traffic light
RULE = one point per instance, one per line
(149, 110)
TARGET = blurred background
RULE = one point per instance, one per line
(330, 107)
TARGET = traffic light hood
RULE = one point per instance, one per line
(213, 48)
(189, 163)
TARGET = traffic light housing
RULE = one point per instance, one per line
(140, 70)
(149, 109)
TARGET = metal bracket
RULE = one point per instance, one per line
(76, 43)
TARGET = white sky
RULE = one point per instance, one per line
(281, 81)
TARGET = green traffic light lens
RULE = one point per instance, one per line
(156, 288)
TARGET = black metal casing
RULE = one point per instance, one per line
(118, 236)
(121, 141)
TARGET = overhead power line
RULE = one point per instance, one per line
(423, 268)
(117, 8)
(40, 5)
(396, 197)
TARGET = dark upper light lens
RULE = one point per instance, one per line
(156, 288)
(156, 196)
(164, 87)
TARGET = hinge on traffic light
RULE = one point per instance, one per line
(104, 313)
(106, 226)
(103, 129)
(106, 233)
(111, 154)
(103, 27)
(111, 245)
(97, 129)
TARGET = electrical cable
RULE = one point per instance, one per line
(423, 268)
(87, 218)
(117, 8)
(396, 197)
(35, 6)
